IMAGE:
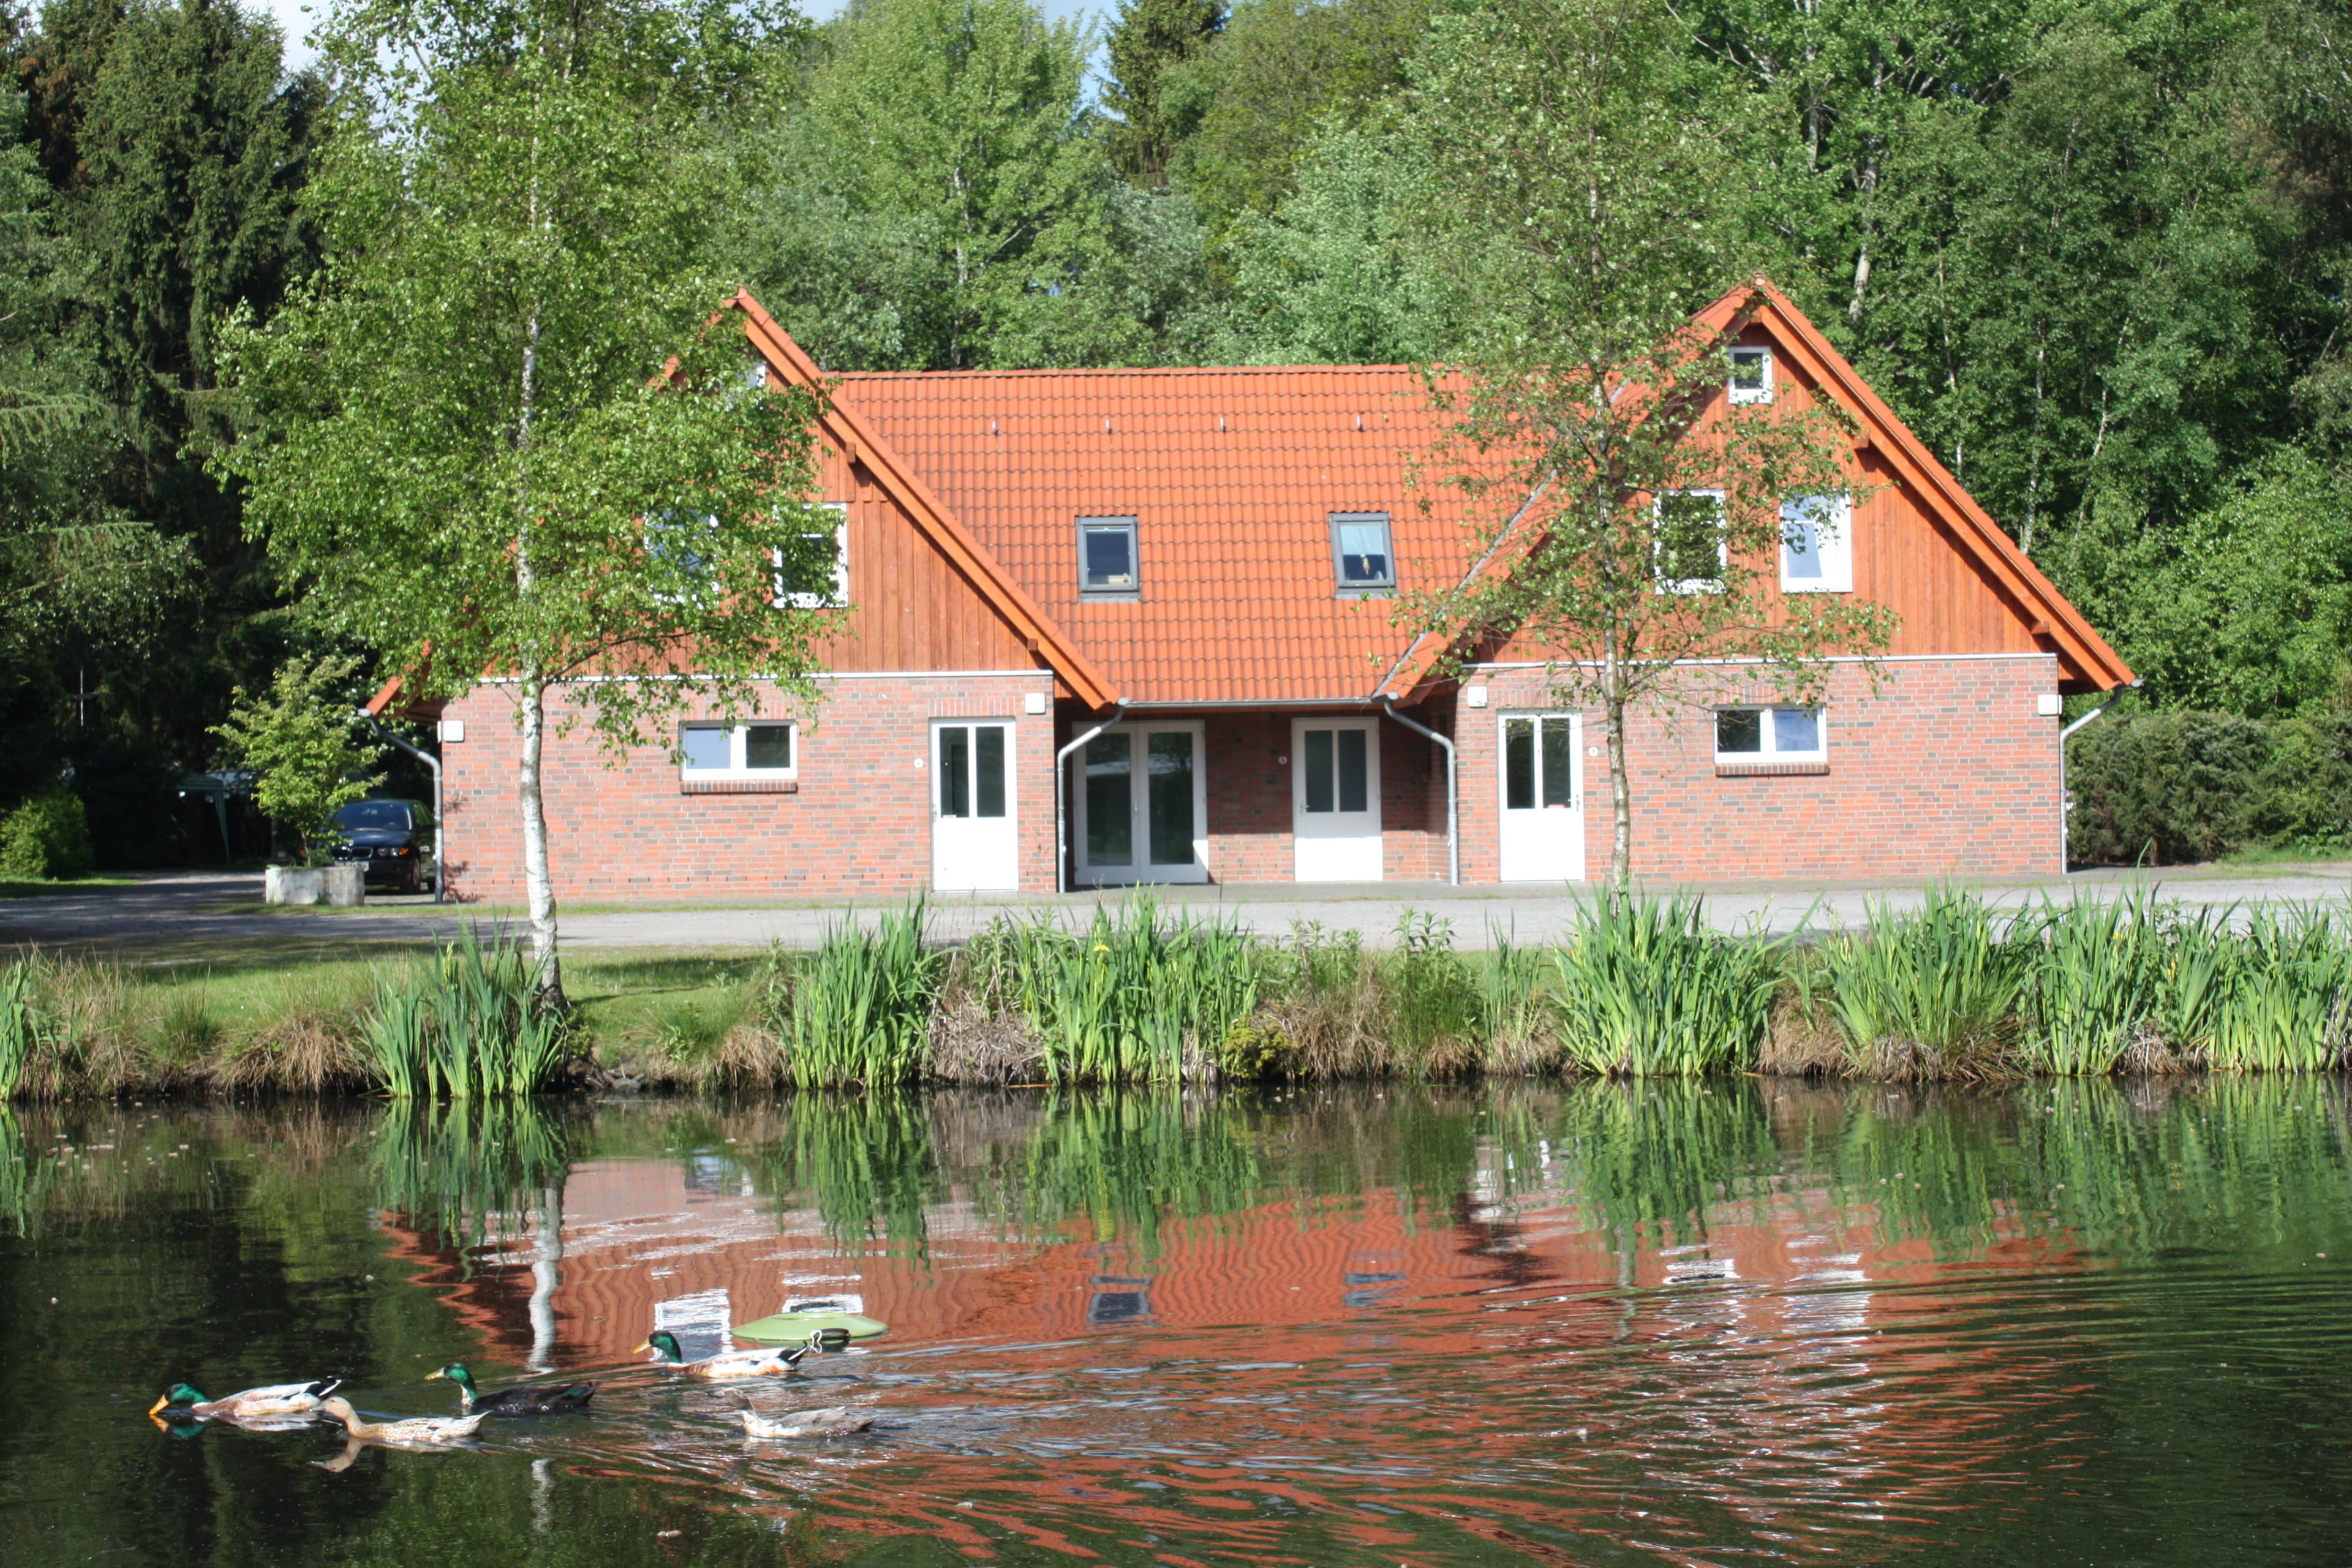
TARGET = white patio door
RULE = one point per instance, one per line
(1543, 798)
(1140, 802)
(975, 843)
(1335, 800)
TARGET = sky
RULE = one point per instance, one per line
(296, 17)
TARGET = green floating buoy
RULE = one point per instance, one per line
(798, 1323)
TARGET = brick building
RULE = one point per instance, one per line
(1100, 627)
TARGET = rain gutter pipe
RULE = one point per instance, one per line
(2066, 816)
(1452, 795)
(1061, 793)
(432, 765)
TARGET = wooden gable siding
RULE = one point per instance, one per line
(911, 609)
(1904, 555)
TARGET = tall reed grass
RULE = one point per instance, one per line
(466, 1023)
(858, 1010)
(1137, 996)
(1642, 988)
(1932, 992)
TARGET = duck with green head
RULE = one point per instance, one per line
(286, 1402)
(520, 1401)
(726, 1365)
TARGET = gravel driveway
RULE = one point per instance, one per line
(189, 915)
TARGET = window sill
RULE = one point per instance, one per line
(739, 786)
(1724, 770)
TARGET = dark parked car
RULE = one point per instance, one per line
(394, 838)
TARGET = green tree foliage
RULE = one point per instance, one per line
(48, 837)
(300, 739)
(1150, 36)
(1256, 95)
(2246, 607)
(497, 434)
(937, 195)
(172, 151)
(1335, 276)
(1580, 204)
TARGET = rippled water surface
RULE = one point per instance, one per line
(1550, 1325)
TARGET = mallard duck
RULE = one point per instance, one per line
(279, 1401)
(835, 1421)
(726, 1365)
(513, 1401)
(422, 1431)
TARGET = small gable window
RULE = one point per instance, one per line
(1691, 551)
(1751, 376)
(1817, 545)
(813, 575)
(1360, 556)
(1107, 563)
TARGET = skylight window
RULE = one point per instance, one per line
(1361, 559)
(1107, 563)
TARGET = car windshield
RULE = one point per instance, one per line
(373, 813)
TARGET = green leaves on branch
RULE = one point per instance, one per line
(299, 739)
(507, 430)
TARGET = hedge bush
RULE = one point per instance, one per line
(2165, 788)
(46, 837)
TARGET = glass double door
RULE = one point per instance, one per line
(1141, 805)
(975, 838)
(1543, 798)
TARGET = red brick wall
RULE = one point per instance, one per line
(860, 823)
(1949, 770)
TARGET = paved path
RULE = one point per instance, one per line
(181, 917)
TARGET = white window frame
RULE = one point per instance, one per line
(1346, 589)
(1820, 514)
(802, 599)
(1768, 735)
(1139, 870)
(1731, 386)
(1110, 523)
(1722, 545)
(738, 745)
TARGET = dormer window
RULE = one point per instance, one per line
(1360, 556)
(1107, 560)
(1751, 376)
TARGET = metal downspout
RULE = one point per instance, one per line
(2065, 815)
(1452, 794)
(432, 765)
(1061, 792)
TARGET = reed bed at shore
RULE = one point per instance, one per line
(1953, 991)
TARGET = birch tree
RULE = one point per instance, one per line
(1581, 188)
(506, 434)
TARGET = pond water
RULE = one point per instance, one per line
(1510, 1323)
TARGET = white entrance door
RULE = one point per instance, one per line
(1335, 800)
(1543, 798)
(1141, 805)
(975, 842)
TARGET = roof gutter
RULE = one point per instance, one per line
(1452, 795)
(1061, 795)
(2066, 807)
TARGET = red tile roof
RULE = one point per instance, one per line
(1232, 476)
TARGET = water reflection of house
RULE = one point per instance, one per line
(688, 1245)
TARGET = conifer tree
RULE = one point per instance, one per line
(1150, 36)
